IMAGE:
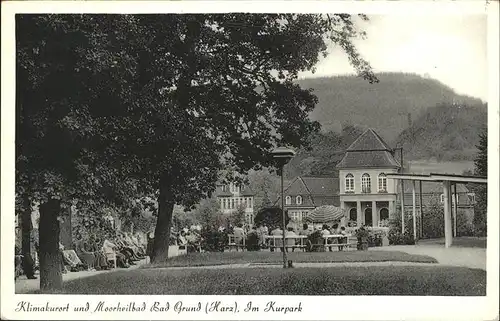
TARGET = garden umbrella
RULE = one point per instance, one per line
(325, 214)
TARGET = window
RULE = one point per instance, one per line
(442, 198)
(472, 198)
(366, 184)
(225, 204)
(353, 214)
(288, 200)
(298, 200)
(224, 188)
(232, 203)
(382, 183)
(349, 183)
(384, 214)
(242, 187)
(250, 202)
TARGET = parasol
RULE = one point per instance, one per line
(325, 214)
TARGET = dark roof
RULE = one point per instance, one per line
(315, 191)
(369, 150)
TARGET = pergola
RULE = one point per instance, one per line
(447, 180)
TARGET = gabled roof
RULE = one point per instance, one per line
(315, 191)
(369, 150)
(369, 140)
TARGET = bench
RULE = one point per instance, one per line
(348, 244)
(232, 243)
(291, 242)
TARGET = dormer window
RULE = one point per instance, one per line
(349, 183)
(288, 200)
(298, 200)
(366, 184)
(382, 183)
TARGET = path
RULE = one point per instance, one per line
(23, 285)
(456, 256)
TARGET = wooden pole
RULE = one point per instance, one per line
(455, 210)
(448, 233)
(421, 210)
(402, 196)
(414, 208)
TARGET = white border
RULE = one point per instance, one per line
(341, 307)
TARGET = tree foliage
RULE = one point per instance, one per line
(481, 191)
(271, 217)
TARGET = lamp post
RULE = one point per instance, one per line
(283, 155)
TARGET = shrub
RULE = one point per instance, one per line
(212, 240)
(315, 238)
(252, 242)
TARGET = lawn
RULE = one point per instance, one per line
(369, 280)
(475, 242)
(221, 258)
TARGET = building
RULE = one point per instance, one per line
(232, 197)
(304, 194)
(366, 194)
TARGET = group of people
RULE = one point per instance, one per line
(94, 253)
(262, 231)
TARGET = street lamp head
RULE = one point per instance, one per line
(283, 154)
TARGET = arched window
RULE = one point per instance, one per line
(382, 183)
(384, 214)
(366, 184)
(349, 183)
(353, 214)
(288, 200)
(298, 200)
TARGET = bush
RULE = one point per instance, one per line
(212, 240)
(252, 242)
(316, 238)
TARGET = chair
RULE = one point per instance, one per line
(110, 256)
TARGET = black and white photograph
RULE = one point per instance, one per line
(276, 161)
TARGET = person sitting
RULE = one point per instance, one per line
(306, 232)
(193, 241)
(291, 242)
(87, 257)
(70, 259)
(324, 232)
(239, 234)
(342, 239)
(278, 242)
(126, 251)
(128, 247)
(101, 262)
(109, 247)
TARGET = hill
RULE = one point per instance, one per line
(445, 132)
(383, 106)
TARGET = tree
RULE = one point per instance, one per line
(246, 61)
(481, 191)
(66, 86)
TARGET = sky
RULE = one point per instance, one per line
(449, 48)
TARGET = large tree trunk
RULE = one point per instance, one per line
(163, 224)
(26, 227)
(50, 257)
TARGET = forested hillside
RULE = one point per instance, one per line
(383, 106)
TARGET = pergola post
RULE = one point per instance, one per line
(374, 213)
(414, 211)
(402, 207)
(455, 209)
(421, 210)
(448, 233)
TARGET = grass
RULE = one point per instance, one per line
(467, 242)
(370, 280)
(222, 258)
